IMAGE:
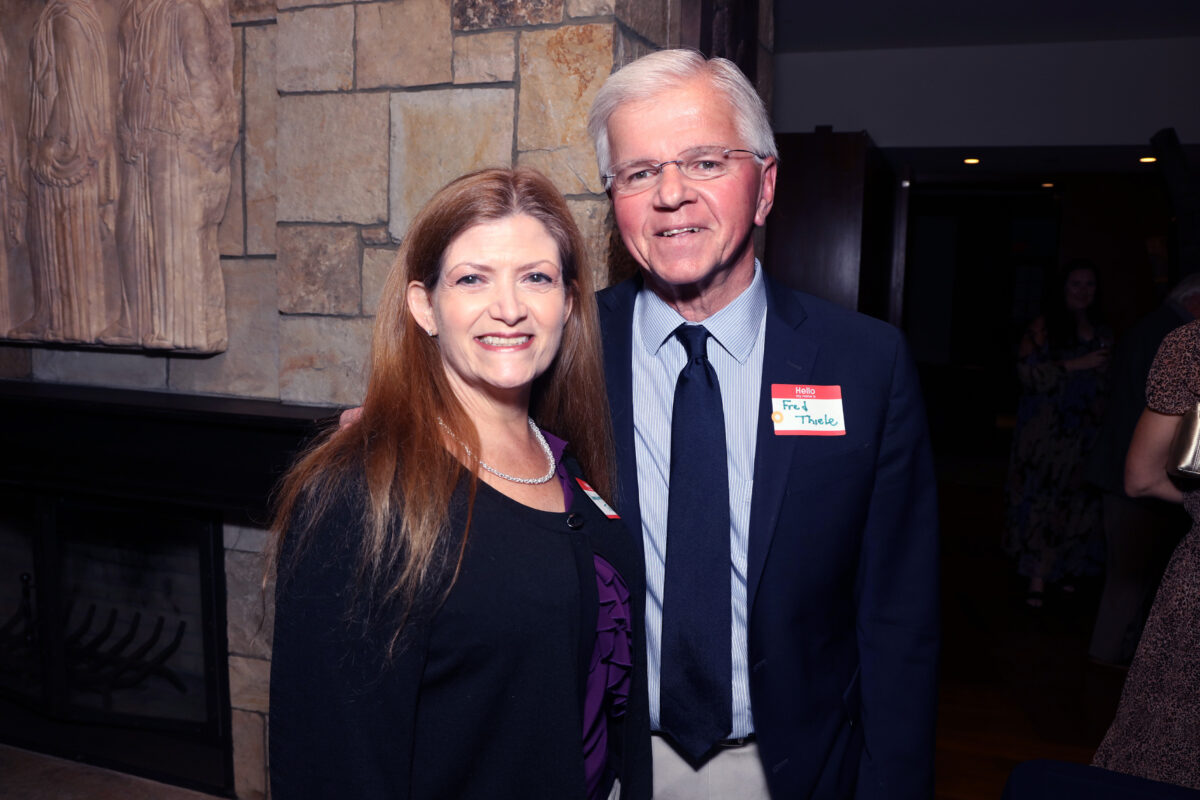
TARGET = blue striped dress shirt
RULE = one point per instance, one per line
(736, 352)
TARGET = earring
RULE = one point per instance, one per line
(430, 331)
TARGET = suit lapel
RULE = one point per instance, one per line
(788, 357)
(616, 326)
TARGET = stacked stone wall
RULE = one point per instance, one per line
(351, 114)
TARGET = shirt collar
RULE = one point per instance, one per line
(735, 327)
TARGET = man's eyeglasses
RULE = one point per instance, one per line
(697, 164)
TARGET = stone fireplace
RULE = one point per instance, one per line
(112, 648)
(134, 631)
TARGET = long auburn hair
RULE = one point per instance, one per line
(395, 454)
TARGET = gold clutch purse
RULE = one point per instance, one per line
(1184, 458)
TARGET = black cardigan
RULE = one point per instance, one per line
(485, 700)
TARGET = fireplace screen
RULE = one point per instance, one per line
(111, 636)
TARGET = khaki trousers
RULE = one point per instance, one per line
(734, 772)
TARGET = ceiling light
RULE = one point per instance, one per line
(970, 160)
(1147, 159)
(1047, 185)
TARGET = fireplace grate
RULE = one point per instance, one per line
(114, 649)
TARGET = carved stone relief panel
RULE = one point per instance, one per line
(120, 122)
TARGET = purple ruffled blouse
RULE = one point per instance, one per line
(606, 689)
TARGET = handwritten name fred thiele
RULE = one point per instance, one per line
(803, 410)
(800, 409)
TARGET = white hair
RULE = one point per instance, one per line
(652, 75)
(1188, 285)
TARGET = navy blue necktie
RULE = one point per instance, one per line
(696, 695)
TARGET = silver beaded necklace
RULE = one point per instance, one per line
(537, 433)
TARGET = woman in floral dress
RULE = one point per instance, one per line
(1156, 732)
(1053, 524)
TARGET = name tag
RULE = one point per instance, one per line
(801, 410)
(604, 507)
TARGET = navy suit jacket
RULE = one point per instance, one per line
(843, 554)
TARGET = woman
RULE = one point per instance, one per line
(1053, 517)
(458, 614)
(1156, 732)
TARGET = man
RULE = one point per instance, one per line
(1140, 533)
(816, 676)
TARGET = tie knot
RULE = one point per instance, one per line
(694, 339)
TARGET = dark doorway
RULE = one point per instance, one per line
(979, 261)
(1016, 684)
